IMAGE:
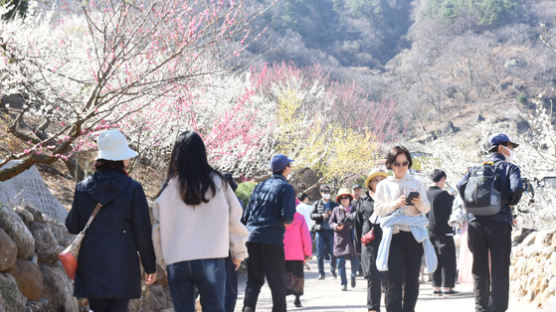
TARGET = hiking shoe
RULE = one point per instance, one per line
(297, 302)
(450, 292)
(321, 276)
(334, 274)
(344, 287)
(353, 282)
(437, 293)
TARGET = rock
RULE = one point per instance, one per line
(18, 231)
(12, 297)
(58, 289)
(8, 252)
(520, 235)
(37, 306)
(515, 63)
(37, 215)
(305, 180)
(28, 188)
(63, 237)
(529, 239)
(46, 246)
(157, 298)
(28, 278)
(25, 215)
(450, 128)
(14, 100)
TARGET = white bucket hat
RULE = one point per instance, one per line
(112, 145)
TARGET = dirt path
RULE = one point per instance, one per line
(326, 296)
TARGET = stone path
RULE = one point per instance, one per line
(326, 296)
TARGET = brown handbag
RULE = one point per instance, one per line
(69, 256)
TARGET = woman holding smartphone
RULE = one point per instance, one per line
(405, 252)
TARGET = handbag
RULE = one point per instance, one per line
(370, 236)
(69, 256)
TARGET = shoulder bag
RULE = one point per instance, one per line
(69, 256)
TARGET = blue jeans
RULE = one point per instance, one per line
(207, 275)
(231, 285)
(325, 246)
(341, 262)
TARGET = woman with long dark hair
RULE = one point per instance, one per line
(196, 224)
(108, 272)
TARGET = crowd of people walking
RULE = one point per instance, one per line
(200, 233)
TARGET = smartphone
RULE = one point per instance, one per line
(410, 197)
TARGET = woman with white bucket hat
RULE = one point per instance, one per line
(108, 271)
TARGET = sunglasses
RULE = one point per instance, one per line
(344, 197)
(325, 192)
(403, 164)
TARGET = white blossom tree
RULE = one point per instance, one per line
(108, 64)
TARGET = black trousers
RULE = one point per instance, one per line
(108, 305)
(404, 263)
(265, 260)
(445, 274)
(486, 236)
(374, 277)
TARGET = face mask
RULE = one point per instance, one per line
(326, 196)
(511, 156)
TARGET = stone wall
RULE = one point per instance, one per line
(31, 277)
(533, 268)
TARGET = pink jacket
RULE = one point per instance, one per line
(297, 240)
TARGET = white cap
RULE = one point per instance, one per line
(112, 145)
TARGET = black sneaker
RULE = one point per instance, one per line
(334, 274)
(247, 309)
(297, 302)
(450, 292)
(437, 293)
(344, 287)
(321, 276)
(353, 282)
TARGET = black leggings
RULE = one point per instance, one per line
(108, 304)
(404, 263)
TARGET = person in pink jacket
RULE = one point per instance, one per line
(297, 249)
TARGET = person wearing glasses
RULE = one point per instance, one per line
(403, 195)
(341, 221)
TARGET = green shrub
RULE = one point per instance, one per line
(522, 98)
(244, 191)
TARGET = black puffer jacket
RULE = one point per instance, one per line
(108, 265)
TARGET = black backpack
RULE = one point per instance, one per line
(480, 194)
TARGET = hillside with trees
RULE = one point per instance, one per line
(436, 58)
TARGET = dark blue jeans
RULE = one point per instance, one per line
(231, 285)
(207, 275)
(325, 246)
(341, 263)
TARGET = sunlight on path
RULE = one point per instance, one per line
(326, 296)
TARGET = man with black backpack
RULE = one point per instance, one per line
(488, 192)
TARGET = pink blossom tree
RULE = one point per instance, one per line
(110, 64)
